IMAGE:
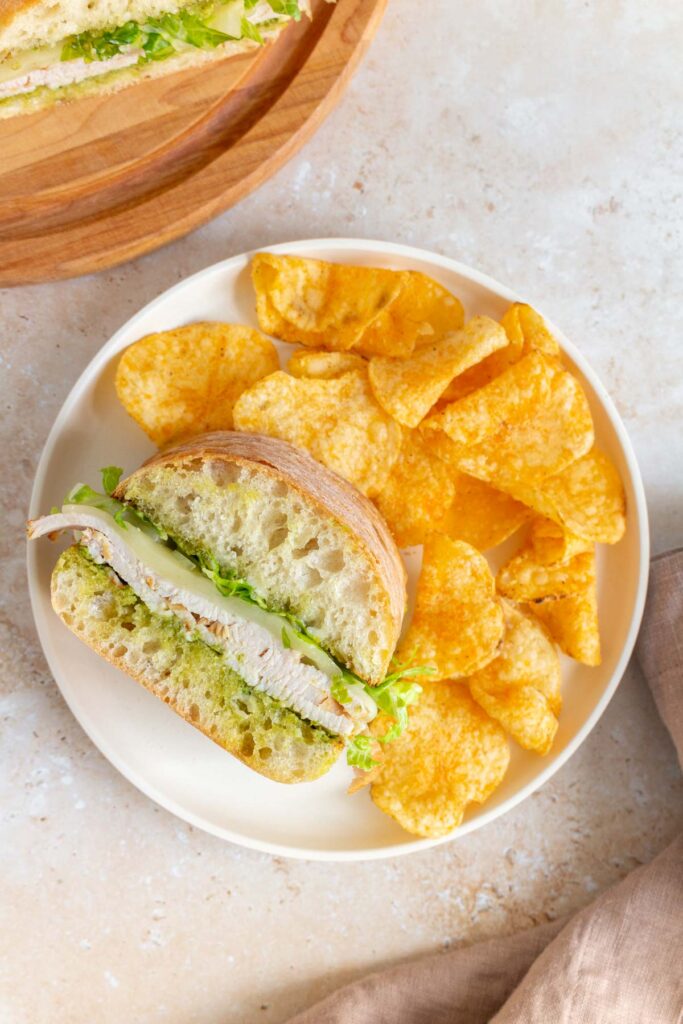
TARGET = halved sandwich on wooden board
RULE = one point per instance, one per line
(53, 51)
(253, 590)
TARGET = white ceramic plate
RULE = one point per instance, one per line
(173, 763)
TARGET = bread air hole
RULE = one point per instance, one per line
(311, 578)
(247, 747)
(183, 504)
(310, 545)
(264, 753)
(119, 651)
(223, 473)
(278, 489)
(278, 537)
(331, 561)
(194, 713)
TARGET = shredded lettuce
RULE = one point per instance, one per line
(288, 8)
(83, 494)
(359, 753)
(227, 585)
(393, 696)
(159, 38)
(110, 478)
(339, 689)
(250, 31)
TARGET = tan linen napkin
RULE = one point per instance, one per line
(618, 961)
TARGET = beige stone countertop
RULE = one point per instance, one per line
(538, 143)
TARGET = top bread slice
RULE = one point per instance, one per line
(305, 539)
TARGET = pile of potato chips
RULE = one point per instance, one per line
(461, 433)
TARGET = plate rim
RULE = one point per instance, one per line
(386, 249)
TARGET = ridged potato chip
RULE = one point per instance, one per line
(339, 307)
(520, 688)
(573, 624)
(556, 576)
(416, 497)
(479, 514)
(451, 755)
(587, 498)
(458, 620)
(186, 381)
(319, 304)
(524, 578)
(530, 422)
(552, 543)
(528, 331)
(480, 375)
(324, 365)
(423, 311)
(338, 421)
(408, 388)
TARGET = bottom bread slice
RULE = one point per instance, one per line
(187, 674)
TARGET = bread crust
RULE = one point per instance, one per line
(332, 496)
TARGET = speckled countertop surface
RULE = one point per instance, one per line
(539, 144)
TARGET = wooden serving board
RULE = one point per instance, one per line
(87, 185)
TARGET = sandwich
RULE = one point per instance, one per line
(254, 591)
(62, 50)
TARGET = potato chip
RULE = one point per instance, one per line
(416, 497)
(477, 376)
(528, 423)
(552, 543)
(422, 312)
(451, 755)
(520, 688)
(319, 304)
(555, 573)
(458, 620)
(524, 578)
(324, 365)
(408, 388)
(573, 624)
(479, 514)
(186, 381)
(587, 498)
(339, 307)
(528, 331)
(338, 421)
